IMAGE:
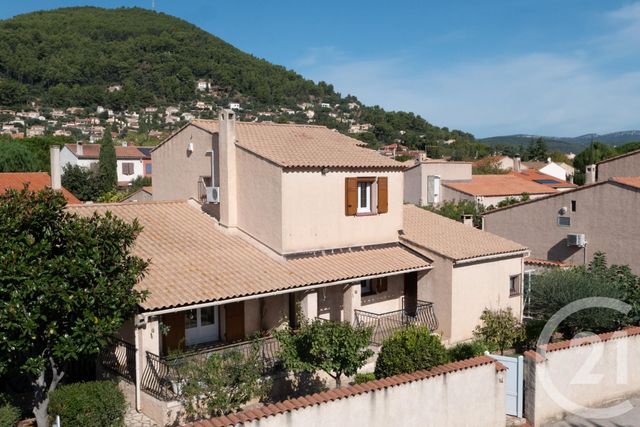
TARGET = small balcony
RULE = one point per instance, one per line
(385, 324)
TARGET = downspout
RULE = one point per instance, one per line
(139, 364)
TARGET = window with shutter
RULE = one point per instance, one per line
(366, 196)
(127, 168)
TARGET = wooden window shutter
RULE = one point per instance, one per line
(383, 195)
(381, 285)
(351, 196)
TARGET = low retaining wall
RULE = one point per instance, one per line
(466, 393)
(578, 375)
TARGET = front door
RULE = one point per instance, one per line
(201, 325)
(234, 321)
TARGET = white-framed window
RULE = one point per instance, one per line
(514, 285)
(364, 196)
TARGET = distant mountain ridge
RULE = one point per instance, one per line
(564, 144)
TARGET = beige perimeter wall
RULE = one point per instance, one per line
(590, 375)
(470, 397)
(607, 214)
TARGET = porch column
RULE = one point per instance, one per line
(350, 301)
(309, 305)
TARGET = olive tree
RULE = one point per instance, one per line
(66, 286)
(337, 348)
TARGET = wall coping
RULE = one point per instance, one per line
(290, 405)
(538, 356)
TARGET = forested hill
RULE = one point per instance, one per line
(71, 56)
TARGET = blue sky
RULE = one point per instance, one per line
(550, 67)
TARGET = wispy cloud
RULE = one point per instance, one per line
(566, 93)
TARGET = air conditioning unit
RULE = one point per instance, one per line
(576, 239)
(213, 194)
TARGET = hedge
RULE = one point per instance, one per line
(89, 404)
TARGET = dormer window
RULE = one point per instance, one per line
(366, 196)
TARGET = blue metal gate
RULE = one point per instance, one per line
(514, 394)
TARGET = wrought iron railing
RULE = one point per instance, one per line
(385, 324)
(161, 379)
(120, 357)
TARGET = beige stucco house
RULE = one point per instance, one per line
(627, 164)
(258, 225)
(423, 181)
(572, 225)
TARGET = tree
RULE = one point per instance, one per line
(537, 150)
(336, 348)
(15, 157)
(455, 209)
(500, 328)
(554, 289)
(220, 383)
(107, 164)
(81, 182)
(410, 350)
(66, 286)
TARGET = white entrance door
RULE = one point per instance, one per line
(201, 325)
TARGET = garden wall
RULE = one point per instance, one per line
(587, 372)
(465, 393)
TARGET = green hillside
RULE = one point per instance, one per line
(71, 56)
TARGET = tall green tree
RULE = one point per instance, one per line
(107, 164)
(66, 286)
(15, 157)
(537, 150)
(337, 348)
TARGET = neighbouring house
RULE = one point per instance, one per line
(572, 225)
(627, 164)
(472, 270)
(422, 181)
(256, 224)
(489, 190)
(131, 161)
(203, 85)
(145, 194)
(501, 162)
(38, 180)
(539, 177)
(558, 170)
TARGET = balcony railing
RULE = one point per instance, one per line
(120, 357)
(161, 378)
(385, 324)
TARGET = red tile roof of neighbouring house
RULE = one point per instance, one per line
(544, 179)
(631, 181)
(452, 239)
(374, 386)
(92, 151)
(195, 260)
(302, 146)
(545, 262)
(498, 186)
(37, 181)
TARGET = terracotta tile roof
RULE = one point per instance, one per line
(307, 146)
(631, 181)
(92, 151)
(536, 176)
(630, 153)
(36, 180)
(489, 160)
(538, 356)
(251, 415)
(545, 262)
(498, 185)
(452, 239)
(535, 165)
(194, 260)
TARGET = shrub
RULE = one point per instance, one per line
(9, 415)
(364, 377)
(469, 349)
(410, 350)
(90, 404)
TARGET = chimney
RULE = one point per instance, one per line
(79, 149)
(467, 220)
(54, 155)
(590, 174)
(227, 167)
(516, 163)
